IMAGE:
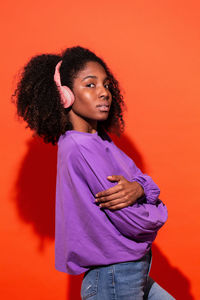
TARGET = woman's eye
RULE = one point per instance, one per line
(90, 85)
(107, 86)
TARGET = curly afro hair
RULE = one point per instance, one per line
(38, 100)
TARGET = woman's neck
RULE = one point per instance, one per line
(81, 124)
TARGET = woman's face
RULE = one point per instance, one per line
(92, 96)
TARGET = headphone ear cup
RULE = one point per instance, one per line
(67, 96)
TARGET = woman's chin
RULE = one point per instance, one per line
(103, 116)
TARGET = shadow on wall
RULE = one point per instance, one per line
(35, 189)
(35, 203)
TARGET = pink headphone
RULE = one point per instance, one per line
(66, 95)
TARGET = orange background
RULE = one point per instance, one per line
(153, 49)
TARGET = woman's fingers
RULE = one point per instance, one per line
(109, 197)
(114, 205)
(111, 203)
(117, 203)
(123, 194)
(110, 191)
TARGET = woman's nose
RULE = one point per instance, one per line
(104, 93)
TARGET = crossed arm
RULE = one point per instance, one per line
(124, 194)
(138, 219)
(132, 206)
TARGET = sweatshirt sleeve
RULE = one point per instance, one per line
(139, 221)
(151, 190)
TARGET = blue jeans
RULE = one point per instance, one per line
(122, 281)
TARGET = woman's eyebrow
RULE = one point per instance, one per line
(95, 77)
(89, 76)
(106, 79)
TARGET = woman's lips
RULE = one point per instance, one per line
(103, 107)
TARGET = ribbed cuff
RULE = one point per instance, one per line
(151, 190)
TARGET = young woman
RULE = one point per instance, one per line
(107, 211)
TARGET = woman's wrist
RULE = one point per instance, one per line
(139, 190)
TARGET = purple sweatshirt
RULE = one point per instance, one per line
(85, 234)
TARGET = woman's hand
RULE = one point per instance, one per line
(124, 194)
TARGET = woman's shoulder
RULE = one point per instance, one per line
(72, 143)
(73, 138)
(68, 144)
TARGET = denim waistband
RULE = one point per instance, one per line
(117, 281)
